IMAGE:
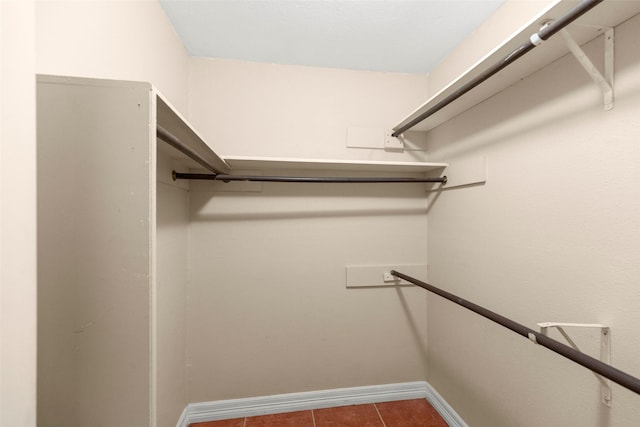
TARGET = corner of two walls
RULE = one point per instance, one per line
(268, 110)
(130, 40)
(112, 40)
(268, 310)
(552, 236)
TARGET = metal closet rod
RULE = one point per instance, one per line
(534, 40)
(173, 141)
(323, 180)
(630, 382)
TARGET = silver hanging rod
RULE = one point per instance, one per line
(544, 34)
(324, 180)
(616, 375)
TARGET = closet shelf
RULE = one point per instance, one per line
(167, 118)
(275, 163)
(173, 126)
(586, 28)
(193, 146)
(177, 138)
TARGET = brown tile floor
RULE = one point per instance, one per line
(403, 413)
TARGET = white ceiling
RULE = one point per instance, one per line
(410, 36)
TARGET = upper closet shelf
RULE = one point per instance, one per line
(273, 163)
(606, 14)
(177, 138)
(182, 140)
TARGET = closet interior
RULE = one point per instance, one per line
(140, 221)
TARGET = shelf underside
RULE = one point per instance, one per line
(277, 163)
(588, 27)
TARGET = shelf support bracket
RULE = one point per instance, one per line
(605, 349)
(605, 83)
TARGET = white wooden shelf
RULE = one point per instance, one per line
(170, 119)
(586, 28)
(274, 163)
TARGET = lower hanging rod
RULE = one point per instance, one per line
(616, 375)
(323, 180)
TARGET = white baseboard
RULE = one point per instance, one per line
(183, 420)
(249, 407)
(444, 409)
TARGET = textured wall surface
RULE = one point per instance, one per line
(268, 310)
(554, 235)
(252, 109)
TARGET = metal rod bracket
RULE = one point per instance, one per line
(605, 349)
(393, 143)
(605, 83)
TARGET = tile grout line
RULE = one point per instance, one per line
(379, 415)
(245, 422)
(313, 418)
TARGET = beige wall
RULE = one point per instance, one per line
(268, 311)
(172, 207)
(17, 216)
(253, 109)
(109, 39)
(129, 40)
(553, 236)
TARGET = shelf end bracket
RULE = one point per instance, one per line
(605, 349)
(605, 83)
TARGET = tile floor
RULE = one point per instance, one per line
(403, 413)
